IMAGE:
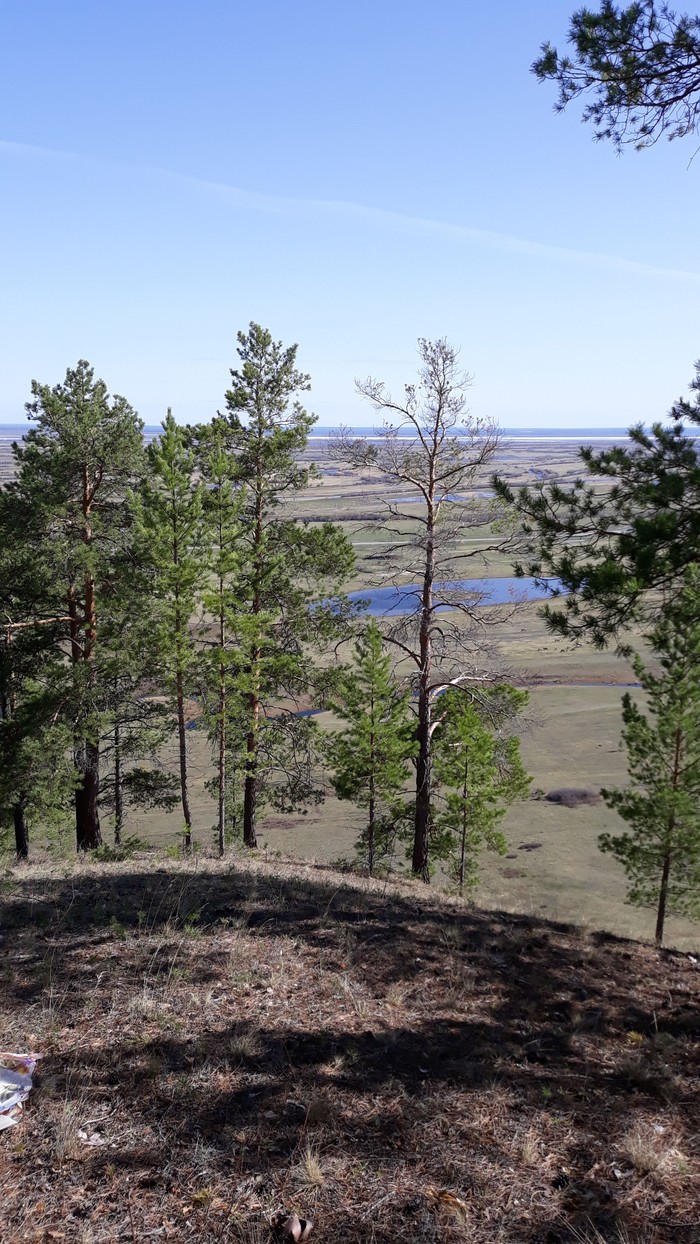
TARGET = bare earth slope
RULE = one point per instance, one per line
(221, 1043)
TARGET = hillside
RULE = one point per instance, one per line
(223, 1043)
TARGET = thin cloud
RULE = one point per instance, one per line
(342, 209)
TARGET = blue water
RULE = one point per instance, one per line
(394, 601)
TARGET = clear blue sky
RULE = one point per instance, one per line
(352, 176)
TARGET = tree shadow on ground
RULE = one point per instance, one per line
(424, 1049)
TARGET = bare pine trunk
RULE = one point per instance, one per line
(371, 811)
(250, 788)
(222, 759)
(86, 750)
(182, 739)
(420, 864)
(663, 898)
(421, 833)
(118, 789)
(666, 870)
(19, 816)
(463, 851)
(87, 817)
(371, 832)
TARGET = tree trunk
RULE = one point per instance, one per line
(371, 811)
(666, 870)
(663, 896)
(371, 831)
(182, 739)
(421, 833)
(118, 789)
(19, 816)
(463, 850)
(250, 788)
(222, 757)
(87, 817)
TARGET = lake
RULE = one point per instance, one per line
(394, 601)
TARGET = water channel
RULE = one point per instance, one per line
(384, 602)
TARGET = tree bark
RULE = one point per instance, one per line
(371, 810)
(371, 830)
(118, 789)
(86, 750)
(87, 817)
(182, 739)
(421, 832)
(222, 755)
(19, 816)
(666, 869)
(463, 847)
(663, 898)
(250, 788)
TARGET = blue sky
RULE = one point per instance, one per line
(352, 176)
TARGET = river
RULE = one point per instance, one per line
(386, 602)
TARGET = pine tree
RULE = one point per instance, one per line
(661, 853)
(285, 568)
(639, 67)
(437, 449)
(73, 472)
(480, 773)
(223, 504)
(37, 781)
(371, 757)
(168, 513)
(35, 777)
(620, 540)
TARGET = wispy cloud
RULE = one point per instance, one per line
(341, 209)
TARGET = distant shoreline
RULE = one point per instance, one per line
(17, 431)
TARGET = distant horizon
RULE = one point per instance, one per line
(320, 430)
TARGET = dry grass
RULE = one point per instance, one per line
(652, 1151)
(391, 1064)
(309, 1172)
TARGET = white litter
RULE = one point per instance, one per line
(15, 1086)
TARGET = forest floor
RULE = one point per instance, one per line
(226, 1044)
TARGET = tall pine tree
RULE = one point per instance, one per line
(35, 778)
(168, 515)
(223, 504)
(661, 852)
(285, 567)
(73, 472)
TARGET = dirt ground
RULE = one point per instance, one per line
(222, 1045)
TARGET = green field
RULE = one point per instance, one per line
(572, 740)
